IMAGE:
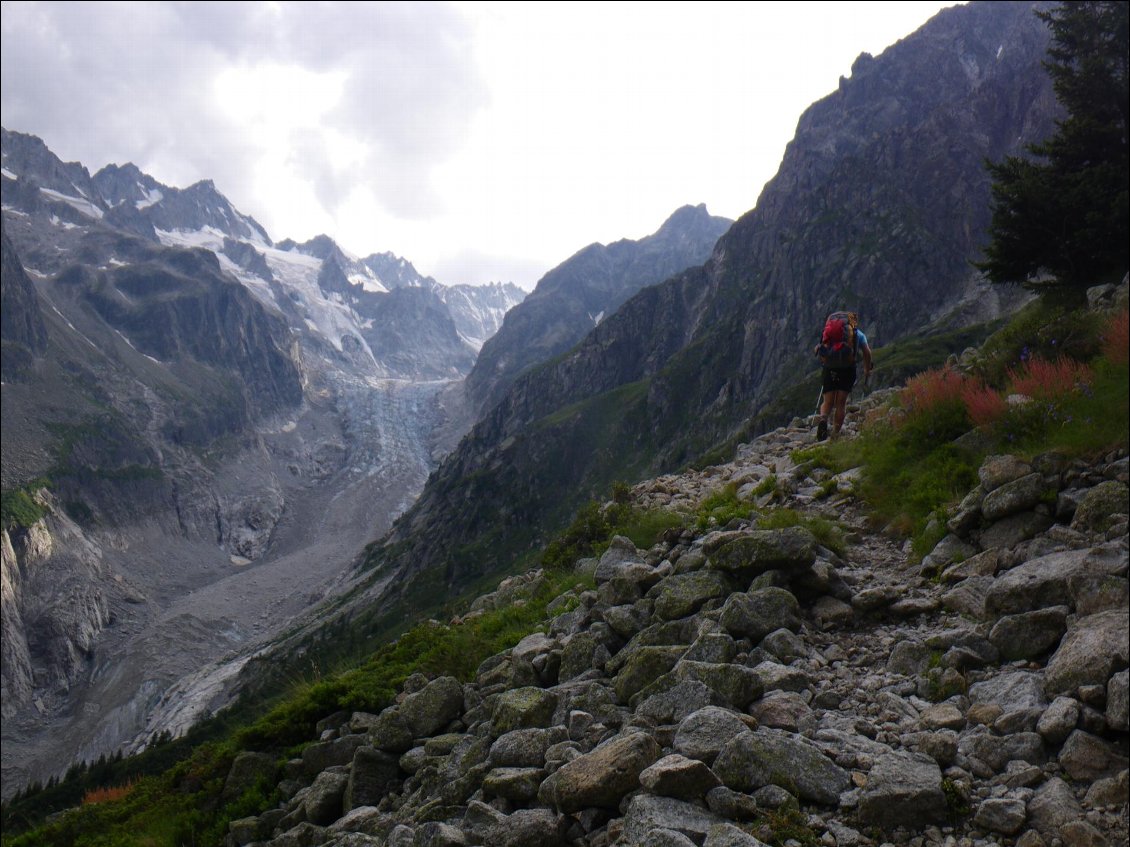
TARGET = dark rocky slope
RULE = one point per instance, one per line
(580, 292)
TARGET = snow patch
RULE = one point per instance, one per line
(152, 196)
(368, 281)
(79, 204)
(7, 173)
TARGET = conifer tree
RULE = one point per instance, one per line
(1061, 218)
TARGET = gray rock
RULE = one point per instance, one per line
(1044, 582)
(684, 594)
(1092, 651)
(908, 658)
(831, 613)
(433, 707)
(1118, 702)
(602, 778)
(327, 754)
(1110, 792)
(996, 471)
(370, 776)
(523, 708)
(1000, 814)
(950, 549)
(323, 803)
(997, 751)
(1010, 531)
(713, 647)
(361, 819)
(1053, 806)
(733, 805)
(703, 734)
(768, 756)
(728, 835)
(943, 716)
(621, 552)
(437, 834)
(903, 790)
(304, 834)
(785, 645)
(672, 705)
(763, 550)
(519, 785)
(730, 685)
(1012, 497)
(1087, 757)
(985, 563)
(679, 777)
(1029, 635)
(1098, 506)
(644, 666)
(524, 748)
(780, 710)
(970, 597)
(646, 813)
(1012, 691)
(580, 654)
(1081, 834)
(758, 613)
(1059, 720)
(666, 838)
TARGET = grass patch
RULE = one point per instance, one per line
(722, 507)
(18, 507)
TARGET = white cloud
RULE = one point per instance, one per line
(479, 140)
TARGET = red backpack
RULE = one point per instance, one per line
(837, 343)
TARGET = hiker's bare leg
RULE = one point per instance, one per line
(827, 405)
(841, 412)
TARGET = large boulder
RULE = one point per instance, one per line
(752, 760)
(791, 549)
(603, 777)
(647, 813)
(1094, 649)
(1098, 507)
(757, 613)
(523, 708)
(903, 789)
(433, 707)
(702, 734)
(684, 594)
(1048, 581)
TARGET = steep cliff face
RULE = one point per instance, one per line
(23, 333)
(581, 292)
(879, 206)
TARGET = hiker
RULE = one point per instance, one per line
(841, 345)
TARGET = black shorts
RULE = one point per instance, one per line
(838, 379)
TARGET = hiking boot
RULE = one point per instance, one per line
(822, 429)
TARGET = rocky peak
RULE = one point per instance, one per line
(579, 293)
(395, 272)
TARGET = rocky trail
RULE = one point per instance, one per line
(740, 686)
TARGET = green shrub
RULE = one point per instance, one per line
(19, 509)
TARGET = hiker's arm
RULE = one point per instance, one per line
(867, 365)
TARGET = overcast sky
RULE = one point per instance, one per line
(483, 142)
